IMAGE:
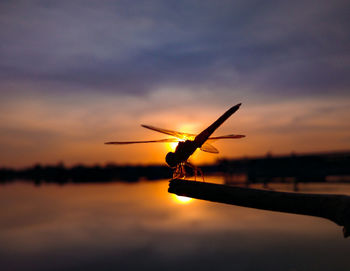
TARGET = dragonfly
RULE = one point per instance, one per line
(188, 144)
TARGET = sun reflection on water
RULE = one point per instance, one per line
(181, 199)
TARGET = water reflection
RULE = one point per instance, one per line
(182, 199)
(133, 226)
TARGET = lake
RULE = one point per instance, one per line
(131, 226)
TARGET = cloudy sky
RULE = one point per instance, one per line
(74, 74)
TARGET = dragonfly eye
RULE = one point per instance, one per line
(171, 159)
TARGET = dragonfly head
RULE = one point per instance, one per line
(171, 159)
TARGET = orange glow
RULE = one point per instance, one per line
(32, 133)
(184, 129)
(181, 199)
(171, 146)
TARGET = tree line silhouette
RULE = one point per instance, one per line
(302, 168)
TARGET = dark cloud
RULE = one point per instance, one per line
(73, 70)
(134, 47)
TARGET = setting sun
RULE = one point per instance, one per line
(171, 146)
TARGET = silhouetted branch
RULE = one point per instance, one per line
(333, 207)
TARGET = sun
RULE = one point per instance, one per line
(171, 146)
(181, 199)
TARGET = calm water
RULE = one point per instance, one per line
(118, 226)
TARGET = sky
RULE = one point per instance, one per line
(74, 74)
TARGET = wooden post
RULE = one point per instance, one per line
(333, 207)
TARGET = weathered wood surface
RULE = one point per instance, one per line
(333, 207)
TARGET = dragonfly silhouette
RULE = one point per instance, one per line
(188, 144)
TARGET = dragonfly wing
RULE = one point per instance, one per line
(205, 134)
(208, 148)
(225, 137)
(143, 141)
(170, 132)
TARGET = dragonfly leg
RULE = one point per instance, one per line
(201, 172)
(195, 170)
(179, 171)
(175, 173)
(183, 171)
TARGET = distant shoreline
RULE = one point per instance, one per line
(320, 167)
